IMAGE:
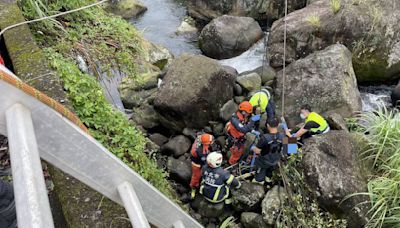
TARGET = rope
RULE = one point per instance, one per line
(284, 59)
(52, 16)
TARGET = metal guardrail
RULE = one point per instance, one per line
(32, 126)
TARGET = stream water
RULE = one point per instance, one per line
(159, 25)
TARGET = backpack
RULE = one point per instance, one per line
(275, 145)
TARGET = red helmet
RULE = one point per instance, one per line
(206, 139)
(246, 106)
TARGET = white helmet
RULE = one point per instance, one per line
(214, 159)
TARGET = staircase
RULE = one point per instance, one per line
(35, 131)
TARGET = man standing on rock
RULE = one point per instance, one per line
(262, 101)
(315, 124)
(268, 151)
(217, 181)
(200, 149)
(241, 123)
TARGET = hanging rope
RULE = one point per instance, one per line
(284, 60)
(52, 16)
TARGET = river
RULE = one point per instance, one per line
(159, 25)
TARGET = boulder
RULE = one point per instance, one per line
(218, 129)
(266, 72)
(252, 220)
(250, 82)
(248, 197)
(210, 210)
(188, 28)
(193, 91)
(144, 81)
(332, 171)
(131, 98)
(325, 80)
(336, 122)
(177, 146)
(126, 8)
(158, 139)
(239, 99)
(229, 36)
(156, 54)
(237, 90)
(206, 10)
(145, 116)
(227, 110)
(369, 29)
(396, 95)
(271, 204)
(180, 171)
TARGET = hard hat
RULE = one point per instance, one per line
(214, 159)
(246, 106)
(206, 139)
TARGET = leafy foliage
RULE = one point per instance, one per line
(98, 37)
(301, 209)
(381, 129)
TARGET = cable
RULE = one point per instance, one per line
(284, 59)
(52, 16)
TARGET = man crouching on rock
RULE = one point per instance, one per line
(216, 182)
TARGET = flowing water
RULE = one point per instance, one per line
(159, 25)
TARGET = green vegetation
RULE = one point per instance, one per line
(314, 21)
(98, 37)
(381, 131)
(301, 208)
(336, 5)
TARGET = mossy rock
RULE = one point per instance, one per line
(126, 8)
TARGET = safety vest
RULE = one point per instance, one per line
(323, 125)
(199, 153)
(232, 131)
(260, 99)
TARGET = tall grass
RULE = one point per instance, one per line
(336, 5)
(314, 21)
(381, 129)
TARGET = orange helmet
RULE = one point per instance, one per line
(206, 139)
(246, 106)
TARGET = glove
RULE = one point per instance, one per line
(294, 135)
(256, 133)
(255, 118)
(284, 126)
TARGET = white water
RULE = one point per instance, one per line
(373, 96)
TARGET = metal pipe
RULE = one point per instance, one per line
(132, 205)
(32, 202)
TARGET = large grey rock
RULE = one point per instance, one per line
(180, 171)
(336, 122)
(145, 116)
(325, 80)
(369, 29)
(131, 98)
(252, 220)
(229, 36)
(396, 95)
(332, 171)
(158, 139)
(271, 205)
(227, 110)
(206, 10)
(248, 197)
(250, 82)
(193, 92)
(188, 29)
(156, 54)
(126, 8)
(210, 210)
(177, 146)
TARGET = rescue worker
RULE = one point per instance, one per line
(241, 123)
(268, 151)
(216, 182)
(315, 124)
(262, 101)
(200, 149)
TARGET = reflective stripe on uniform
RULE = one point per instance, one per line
(231, 178)
(323, 125)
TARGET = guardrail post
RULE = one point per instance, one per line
(32, 202)
(132, 206)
